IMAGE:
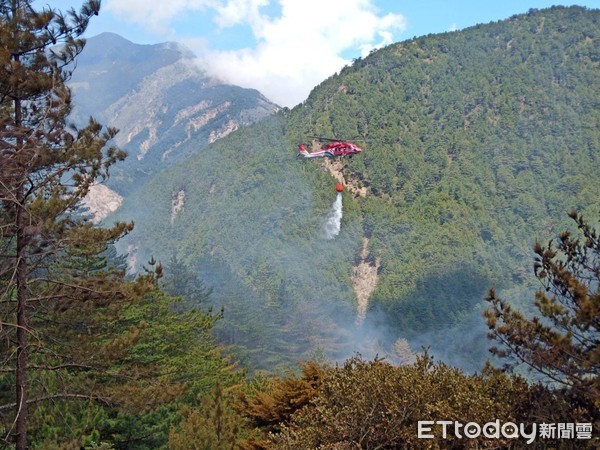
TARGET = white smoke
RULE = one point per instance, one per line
(331, 227)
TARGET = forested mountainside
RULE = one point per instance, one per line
(476, 143)
(467, 160)
(163, 104)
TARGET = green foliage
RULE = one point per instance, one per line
(173, 360)
(154, 361)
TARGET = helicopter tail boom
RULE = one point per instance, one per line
(302, 152)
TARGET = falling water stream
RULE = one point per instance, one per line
(331, 227)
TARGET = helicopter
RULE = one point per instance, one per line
(333, 148)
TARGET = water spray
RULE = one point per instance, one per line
(334, 219)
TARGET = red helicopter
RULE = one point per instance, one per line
(332, 149)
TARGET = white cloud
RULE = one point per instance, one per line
(155, 14)
(236, 12)
(292, 52)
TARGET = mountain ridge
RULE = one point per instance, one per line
(165, 106)
(477, 143)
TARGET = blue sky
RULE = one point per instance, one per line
(286, 47)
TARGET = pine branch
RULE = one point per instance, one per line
(102, 400)
(81, 367)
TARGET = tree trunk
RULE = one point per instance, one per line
(21, 369)
(21, 278)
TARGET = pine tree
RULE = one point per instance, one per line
(562, 342)
(46, 168)
(215, 425)
(182, 281)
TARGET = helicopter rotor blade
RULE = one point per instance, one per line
(355, 139)
(322, 138)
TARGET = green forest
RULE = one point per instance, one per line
(475, 201)
(476, 144)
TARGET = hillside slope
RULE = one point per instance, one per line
(476, 143)
(164, 105)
